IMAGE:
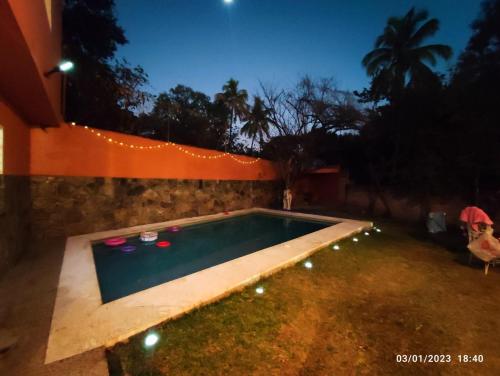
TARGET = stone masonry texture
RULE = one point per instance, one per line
(66, 206)
(15, 204)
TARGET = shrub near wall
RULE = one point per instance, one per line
(65, 206)
(358, 199)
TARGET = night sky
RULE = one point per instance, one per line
(202, 43)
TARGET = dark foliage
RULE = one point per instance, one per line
(474, 98)
(437, 139)
(100, 92)
(399, 59)
(301, 118)
(186, 116)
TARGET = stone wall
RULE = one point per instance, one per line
(65, 206)
(14, 218)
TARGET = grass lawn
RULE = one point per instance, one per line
(394, 292)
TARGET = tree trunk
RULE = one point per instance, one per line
(396, 127)
(231, 131)
(251, 145)
(379, 190)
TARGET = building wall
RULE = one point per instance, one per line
(76, 151)
(16, 140)
(325, 188)
(41, 25)
(317, 189)
(65, 206)
(81, 182)
(15, 198)
(30, 46)
(34, 46)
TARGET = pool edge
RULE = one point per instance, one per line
(80, 322)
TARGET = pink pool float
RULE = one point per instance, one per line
(115, 242)
(163, 244)
(173, 229)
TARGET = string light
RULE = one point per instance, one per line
(165, 145)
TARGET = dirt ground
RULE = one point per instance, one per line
(395, 292)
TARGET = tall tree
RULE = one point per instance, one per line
(91, 35)
(399, 58)
(298, 117)
(101, 92)
(257, 123)
(474, 100)
(129, 85)
(91, 30)
(479, 64)
(236, 101)
(399, 67)
(187, 116)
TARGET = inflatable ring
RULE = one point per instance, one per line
(115, 242)
(163, 244)
(173, 229)
(149, 236)
(128, 248)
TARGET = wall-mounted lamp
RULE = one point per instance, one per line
(63, 67)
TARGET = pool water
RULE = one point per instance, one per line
(194, 248)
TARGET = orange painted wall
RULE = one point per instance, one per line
(43, 40)
(75, 151)
(16, 141)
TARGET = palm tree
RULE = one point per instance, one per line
(257, 123)
(399, 56)
(236, 101)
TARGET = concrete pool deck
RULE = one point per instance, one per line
(27, 297)
(81, 322)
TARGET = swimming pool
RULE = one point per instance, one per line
(195, 248)
(83, 320)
